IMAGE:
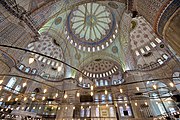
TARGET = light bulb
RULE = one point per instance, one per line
(43, 98)
(92, 87)
(135, 104)
(66, 108)
(125, 104)
(56, 95)
(171, 84)
(25, 98)
(9, 98)
(121, 91)
(65, 96)
(78, 94)
(34, 107)
(106, 105)
(80, 79)
(24, 84)
(45, 90)
(59, 108)
(105, 92)
(145, 103)
(81, 107)
(89, 106)
(154, 86)
(16, 99)
(73, 108)
(91, 93)
(59, 68)
(137, 88)
(33, 98)
(39, 108)
(1, 81)
(31, 60)
(1, 99)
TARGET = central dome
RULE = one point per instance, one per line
(91, 27)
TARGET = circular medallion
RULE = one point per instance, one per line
(57, 21)
(115, 49)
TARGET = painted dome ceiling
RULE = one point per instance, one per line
(100, 68)
(91, 27)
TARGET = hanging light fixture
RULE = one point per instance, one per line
(154, 86)
(1, 99)
(24, 84)
(9, 98)
(16, 99)
(135, 104)
(45, 90)
(43, 98)
(59, 68)
(121, 91)
(145, 103)
(33, 98)
(31, 60)
(1, 81)
(171, 84)
(80, 79)
(91, 93)
(92, 87)
(105, 92)
(106, 105)
(56, 95)
(78, 94)
(65, 96)
(137, 88)
(25, 98)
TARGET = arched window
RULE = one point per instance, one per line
(111, 112)
(21, 67)
(88, 112)
(96, 97)
(103, 98)
(109, 97)
(11, 83)
(97, 83)
(34, 71)
(176, 80)
(97, 111)
(165, 56)
(106, 83)
(27, 70)
(17, 89)
(160, 61)
(82, 112)
(101, 83)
